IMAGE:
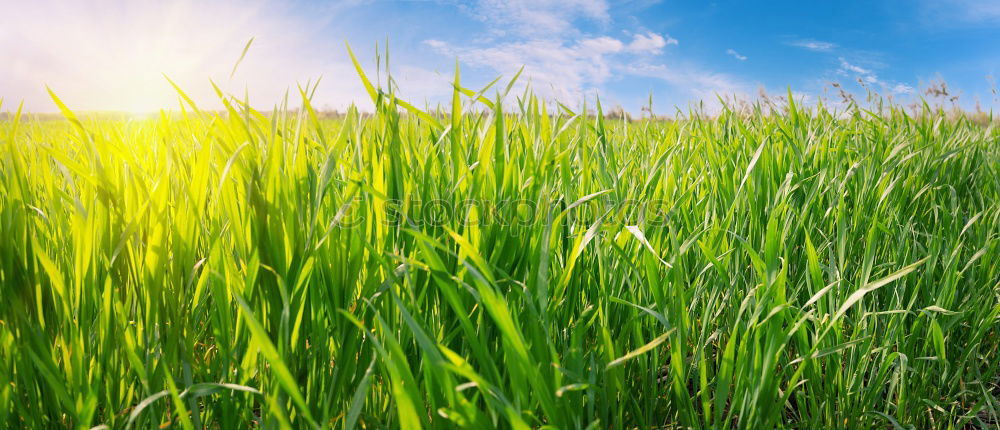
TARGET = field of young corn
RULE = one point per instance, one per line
(512, 266)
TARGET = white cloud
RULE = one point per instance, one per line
(563, 63)
(848, 67)
(556, 70)
(434, 43)
(814, 45)
(566, 71)
(538, 17)
(869, 77)
(650, 43)
(700, 83)
(732, 52)
(570, 68)
(902, 89)
(601, 45)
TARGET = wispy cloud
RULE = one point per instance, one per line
(901, 89)
(563, 70)
(957, 12)
(561, 61)
(700, 83)
(566, 64)
(650, 43)
(813, 45)
(868, 77)
(732, 52)
(526, 18)
(866, 74)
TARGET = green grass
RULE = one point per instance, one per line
(750, 270)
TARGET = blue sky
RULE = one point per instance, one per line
(111, 54)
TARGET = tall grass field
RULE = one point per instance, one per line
(499, 262)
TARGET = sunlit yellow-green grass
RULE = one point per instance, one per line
(760, 269)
